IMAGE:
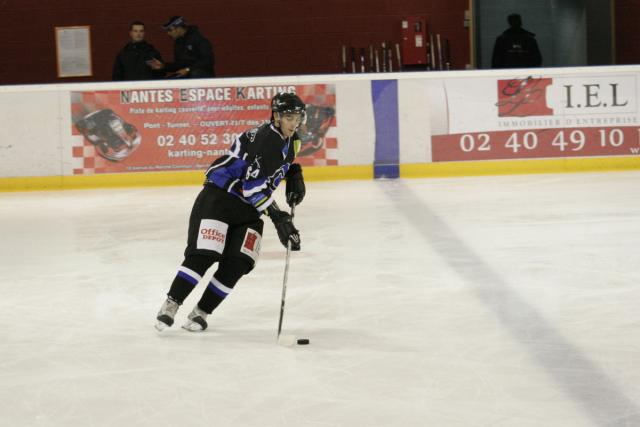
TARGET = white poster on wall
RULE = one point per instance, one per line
(73, 48)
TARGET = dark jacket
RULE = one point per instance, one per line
(195, 52)
(516, 48)
(130, 63)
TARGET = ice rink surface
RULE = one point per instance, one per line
(483, 301)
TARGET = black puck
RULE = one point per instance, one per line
(303, 341)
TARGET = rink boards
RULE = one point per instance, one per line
(428, 124)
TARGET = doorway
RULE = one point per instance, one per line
(569, 32)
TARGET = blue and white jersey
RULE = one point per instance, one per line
(255, 164)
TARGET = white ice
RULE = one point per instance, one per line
(482, 301)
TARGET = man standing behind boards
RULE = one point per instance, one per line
(193, 54)
(133, 61)
(516, 47)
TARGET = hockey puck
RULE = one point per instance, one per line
(303, 341)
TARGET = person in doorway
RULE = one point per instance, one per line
(193, 54)
(133, 62)
(516, 47)
(225, 225)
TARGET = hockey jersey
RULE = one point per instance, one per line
(255, 164)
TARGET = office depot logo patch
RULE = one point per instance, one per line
(212, 235)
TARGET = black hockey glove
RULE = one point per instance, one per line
(287, 232)
(295, 190)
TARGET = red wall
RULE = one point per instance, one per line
(250, 37)
(627, 15)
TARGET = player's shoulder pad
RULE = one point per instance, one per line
(252, 133)
(263, 131)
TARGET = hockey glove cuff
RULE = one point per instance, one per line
(295, 189)
(283, 222)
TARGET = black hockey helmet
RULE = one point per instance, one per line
(285, 102)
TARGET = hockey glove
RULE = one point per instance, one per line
(295, 189)
(287, 232)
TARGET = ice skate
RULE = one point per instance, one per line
(166, 314)
(196, 321)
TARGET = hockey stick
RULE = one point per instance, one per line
(284, 281)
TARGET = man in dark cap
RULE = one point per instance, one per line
(516, 47)
(193, 54)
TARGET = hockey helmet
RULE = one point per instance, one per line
(285, 102)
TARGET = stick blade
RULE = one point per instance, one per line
(287, 340)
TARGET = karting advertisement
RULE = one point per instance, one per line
(535, 117)
(186, 129)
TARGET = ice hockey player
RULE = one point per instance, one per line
(225, 225)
